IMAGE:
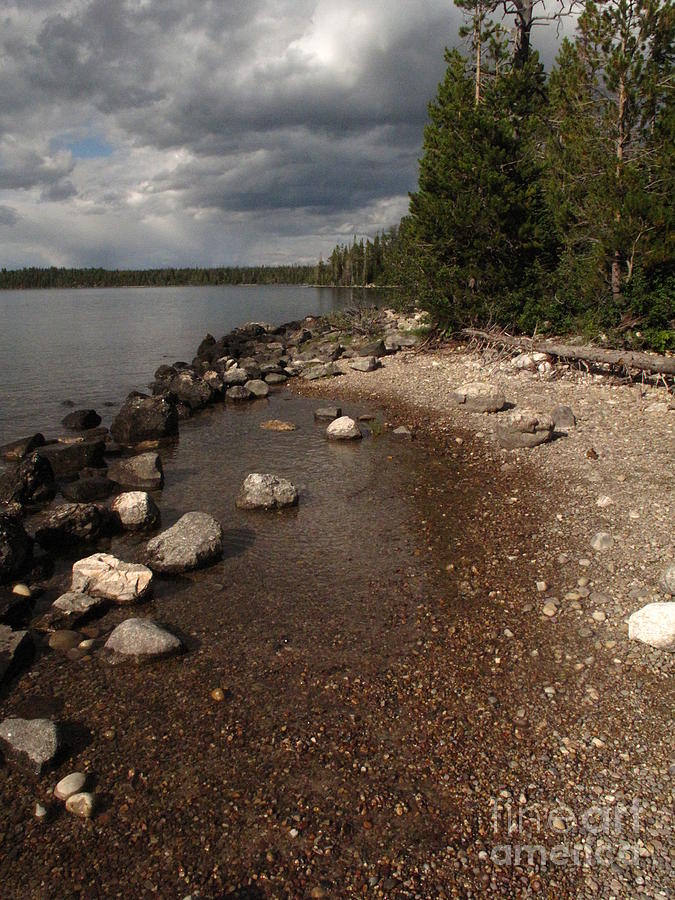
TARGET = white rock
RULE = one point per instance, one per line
(654, 624)
(40, 811)
(71, 784)
(81, 805)
(142, 638)
(603, 540)
(343, 429)
(549, 609)
(265, 491)
(136, 510)
(103, 575)
(604, 501)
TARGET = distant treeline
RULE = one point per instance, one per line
(362, 262)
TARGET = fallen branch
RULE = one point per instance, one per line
(627, 359)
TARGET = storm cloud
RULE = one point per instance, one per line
(171, 132)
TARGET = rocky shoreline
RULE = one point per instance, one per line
(447, 399)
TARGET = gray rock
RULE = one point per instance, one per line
(103, 575)
(328, 413)
(402, 431)
(395, 340)
(343, 429)
(142, 638)
(23, 447)
(266, 492)
(364, 364)
(478, 396)
(37, 741)
(323, 370)
(69, 611)
(603, 540)
(142, 471)
(16, 650)
(667, 582)
(15, 547)
(524, 429)
(238, 394)
(137, 511)
(654, 624)
(71, 784)
(195, 540)
(276, 378)
(236, 376)
(144, 418)
(191, 390)
(71, 525)
(374, 348)
(258, 388)
(563, 417)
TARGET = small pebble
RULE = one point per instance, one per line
(81, 805)
(71, 784)
(40, 811)
(21, 590)
(598, 615)
(542, 586)
(218, 694)
(549, 609)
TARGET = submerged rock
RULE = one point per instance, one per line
(103, 575)
(654, 624)
(328, 413)
(277, 425)
(343, 429)
(266, 492)
(142, 638)
(137, 511)
(142, 471)
(143, 418)
(194, 541)
(36, 741)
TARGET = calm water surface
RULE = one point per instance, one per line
(94, 346)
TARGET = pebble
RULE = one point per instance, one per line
(604, 502)
(549, 609)
(218, 694)
(584, 563)
(542, 586)
(601, 541)
(64, 640)
(508, 633)
(21, 590)
(71, 784)
(549, 691)
(40, 811)
(598, 615)
(81, 805)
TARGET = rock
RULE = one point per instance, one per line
(71, 784)
(36, 740)
(236, 377)
(23, 447)
(195, 540)
(142, 471)
(323, 370)
(67, 460)
(654, 624)
(31, 482)
(40, 812)
(142, 638)
(82, 437)
(103, 575)
(563, 417)
(137, 511)
(86, 490)
(396, 341)
(81, 805)
(71, 525)
(275, 378)
(667, 582)
(524, 429)
(402, 431)
(16, 650)
(277, 425)
(81, 420)
(258, 388)
(21, 590)
(188, 388)
(64, 639)
(343, 429)
(16, 547)
(266, 492)
(549, 609)
(143, 418)
(602, 541)
(238, 394)
(364, 364)
(69, 611)
(374, 348)
(478, 396)
(328, 412)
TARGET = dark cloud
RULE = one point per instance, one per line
(8, 216)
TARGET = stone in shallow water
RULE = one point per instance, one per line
(258, 388)
(103, 575)
(343, 429)
(37, 740)
(72, 524)
(265, 491)
(195, 540)
(142, 471)
(277, 425)
(142, 638)
(654, 624)
(68, 611)
(137, 510)
(328, 413)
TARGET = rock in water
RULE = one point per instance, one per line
(364, 364)
(144, 418)
(142, 638)
(70, 525)
(343, 429)
(137, 510)
(16, 547)
(266, 492)
(524, 429)
(37, 740)
(142, 471)
(328, 413)
(277, 425)
(103, 575)
(32, 482)
(68, 459)
(654, 624)
(258, 388)
(16, 649)
(86, 490)
(238, 393)
(68, 611)
(195, 540)
(23, 447)
(81, 420)
(478, 396)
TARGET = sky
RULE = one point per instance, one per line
(152, 133)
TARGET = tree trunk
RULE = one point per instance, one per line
(523, 27)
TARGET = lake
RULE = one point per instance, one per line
(93, 346)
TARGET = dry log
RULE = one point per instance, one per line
(627, 359)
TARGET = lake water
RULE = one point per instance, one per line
(94, 346)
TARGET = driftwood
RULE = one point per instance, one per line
(627, 359)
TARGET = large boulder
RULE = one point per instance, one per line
(266, 492)
(143, 418)
(321, 370)
(343, 429)
(15, 547)
(67, 460)
(654, 624)
(258, 388)
(142, 639)
(191, 390)
(103, 575)
(479, 396)
(71, 525)
(523, 429)
(21, 448)
(374, 348)
(89, 489)
(142, 471)
(16, 648)
(194, 541)
(81, 419)
(31, 482)
(137, 511)
(36, 741)
(364, 364)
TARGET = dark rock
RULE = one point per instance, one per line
(16, 651)
(86, 490)
(81, 419)
(70, 610)
(79, 437)
(31, 482)
(22, 448)
(188, 388)
(375, 348)
(71, 525)
(67, 460)
(328, 413)
(142, 471)
(16, 547)
(145, 418)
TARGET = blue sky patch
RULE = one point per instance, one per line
(82, 148)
